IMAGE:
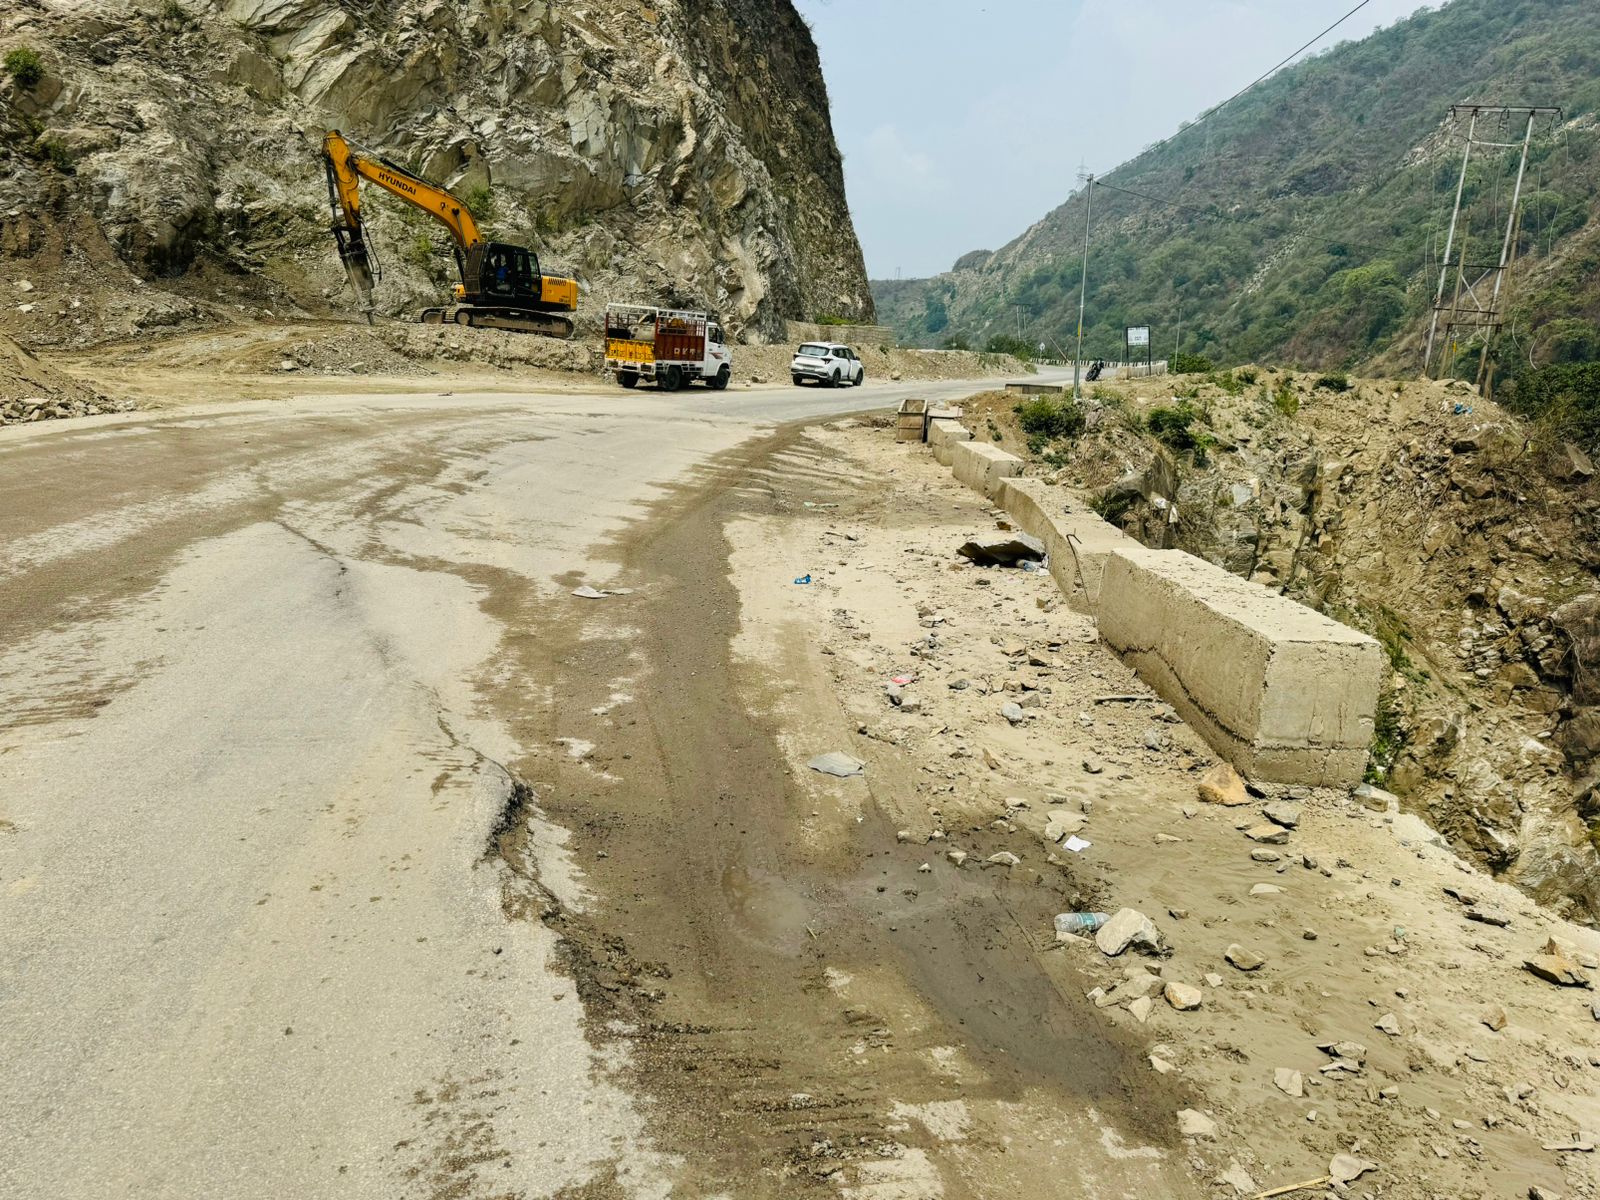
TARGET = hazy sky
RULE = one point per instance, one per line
(963, 123)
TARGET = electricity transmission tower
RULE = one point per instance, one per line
(1475, 308)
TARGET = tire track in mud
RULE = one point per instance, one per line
(707, 950)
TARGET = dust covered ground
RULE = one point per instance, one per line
(841, 1001)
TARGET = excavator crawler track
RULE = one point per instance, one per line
(518, 320)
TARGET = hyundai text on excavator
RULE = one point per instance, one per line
(501, 286)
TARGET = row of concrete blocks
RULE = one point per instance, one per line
(1284, 693)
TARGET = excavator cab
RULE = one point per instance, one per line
(499, 273)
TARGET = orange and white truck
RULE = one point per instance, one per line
(670, 346)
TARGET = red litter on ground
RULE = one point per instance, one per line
(902, 680)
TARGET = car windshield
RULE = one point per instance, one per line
(814, 350)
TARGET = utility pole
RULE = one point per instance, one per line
(1505, 247)
(1449, 244)
(1083, 293)
(1469, 308)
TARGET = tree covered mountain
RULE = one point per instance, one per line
(1304, 222)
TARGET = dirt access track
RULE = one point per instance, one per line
(345, 852)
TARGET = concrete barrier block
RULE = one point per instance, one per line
(1078, 539)
(983, 467)
(1284, 693)
(944, 433)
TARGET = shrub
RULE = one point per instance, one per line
(25, 66)
(1228, 382)
(1248, 374)
(1174, 427)
(1045, 417)
(420, 252)
(1286, 400)
(1388, 738)
(479, 199)
(1006, 343)
(1191, 364)
(56, 151)
(176, 13)
(1113, 504)
(957, 342)
(1565, 396)
(1334, 383)
(833, 319)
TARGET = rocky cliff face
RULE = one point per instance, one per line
(165, 165)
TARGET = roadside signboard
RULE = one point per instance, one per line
(1138, 335)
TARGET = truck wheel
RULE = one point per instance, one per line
(628, 379)
(671, 380)
(834, 382)
(720, 380)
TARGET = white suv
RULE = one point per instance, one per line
(828, 364)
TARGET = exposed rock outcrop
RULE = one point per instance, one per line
(679, 150)
(1431, 519)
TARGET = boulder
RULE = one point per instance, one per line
(1128, 927)
(1376, 799)
(1282, 812)
(1182, 996)
(1554, 968)
(1569, 462)
(1196, 1125)
(1578, 620)
(1268, 833)
(1244, 960)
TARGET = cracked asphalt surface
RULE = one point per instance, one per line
(253, 736)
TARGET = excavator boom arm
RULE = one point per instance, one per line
(347, 166)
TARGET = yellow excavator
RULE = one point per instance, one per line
(501, 286)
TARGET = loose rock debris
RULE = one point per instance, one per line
(1080, 761)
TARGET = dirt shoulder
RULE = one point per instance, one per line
(1472, 1071)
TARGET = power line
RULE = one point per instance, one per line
(1210, 112)
(1204, 212)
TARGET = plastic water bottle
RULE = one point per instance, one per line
(1081, 923)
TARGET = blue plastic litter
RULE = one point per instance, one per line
(804, 579)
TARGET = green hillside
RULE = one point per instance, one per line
(1314, 210)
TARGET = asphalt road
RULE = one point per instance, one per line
(251, 940)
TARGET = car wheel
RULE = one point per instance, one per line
(628, 379)
(834, 382)
(860, 379)
(798, 380)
